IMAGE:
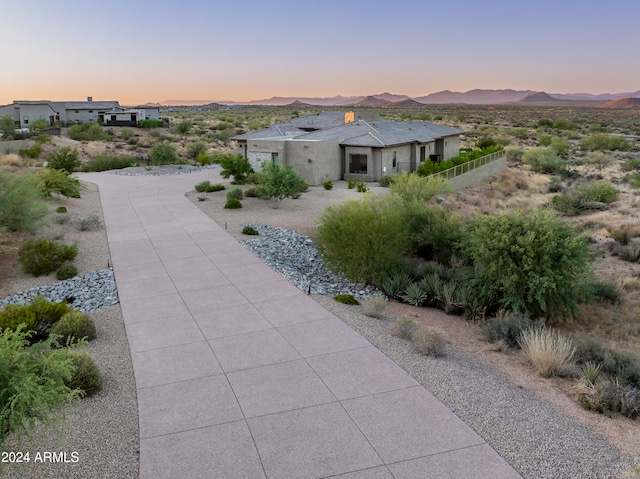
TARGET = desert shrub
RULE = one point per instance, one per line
(602, 191)
(545, 122)
(374, 306)
(549, 352)
(43, 138)
(214, 188)
(202, 186)
(61, 218)
(32, 382)
(32, 152)
(66, 271)
(254, 178)
(630, 165)
(615, 364)
(236, 166)
(403, 327)
(394, 284)
(362, 187)
(630, 252)
(184, 127)
(507, 327)
(600, 142)
(346, 299)
(43, 256)
(73, 326)
(514, 154)
(544, 160)
(633, 179)
(363, 238)
(86, 376)
(563, 124)
(251, 192)
(61, 209)
(598, 160)
(51, 182)
(127, 133)
(36, 318)
(164, 154)
(414, 294)
(105, 162)
(605, 291)
(203, 159)
(194, 150)
(560, 146)
(351, 184)
(430, 341)
(385, 180)
(624, 233)
(413, 188)
(250, 230)
(609, 396)
(531, 262)
(327, 183)
(150, 123)
(64, 159)
(279, 182)
(235, 193)
(233, 204)
(90, 222)
(21, 207)
(87, 132)
(434, 231)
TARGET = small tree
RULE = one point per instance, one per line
(279, 182)
(598, 160)
(533, 262)
(164, 154)
(7, 127)
(236, 166)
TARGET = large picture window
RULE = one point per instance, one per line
(358, 164)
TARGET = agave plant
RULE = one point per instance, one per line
(413, 294)
(432, 287)
(393, 286)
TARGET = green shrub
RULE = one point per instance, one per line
(602, 142)
(32, 382)
(233, 204)
(104, 162)
(404, 327)
(184, 127)
(598, 160)
(327, 183)
(254, 178)
(235, 193)
(279, 182)
(86, 375)
(66, 272)
(563, 124)
(236, 166)
(150, 123)
(560, 146)
(61, 209)
(362, 187)
(386, 180)
(43, 138)
(250, 230)
(531, 262)
(87, 132)
(37, 317)
(89, 222)
(21, 207)
(351, 184)
(430, 341)
(65, 159)
(32, 152)
(514, 154)
(631, 165)
(605, 291)
(413, 188)
(507, 327)
(202, 186)
(126, 133)
(51, 182)
(346, 299)
(43, 256)
(603, 192)
(214, 188)
(434, 231)
(164, 154)
(633, 179)
(544, 160)
(194, 150)
(363, 238)
(73, 326)
(203, 159)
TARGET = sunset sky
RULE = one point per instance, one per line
(139, 51)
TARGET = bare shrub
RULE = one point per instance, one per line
(11, 159)
(430, 341)
(374, 306)
(403, 327)
(549, 353)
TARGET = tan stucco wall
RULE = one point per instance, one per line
(315, 159)
(452, 146)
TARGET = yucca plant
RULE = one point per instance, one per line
(413, 294)
(432, 287)
(591, 371)
(449, 296)
(393, 286)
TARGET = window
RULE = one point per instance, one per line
(25, 119)
(358, 164)
(76, 111)
(274, 158)
(394, 160)
(90, 111)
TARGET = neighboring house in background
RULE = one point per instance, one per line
(25, 113)
(336, 145)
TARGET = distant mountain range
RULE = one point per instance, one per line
(471, 97)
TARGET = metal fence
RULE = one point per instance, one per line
(470, 165)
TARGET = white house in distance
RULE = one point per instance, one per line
(108, 113)
(338, 146)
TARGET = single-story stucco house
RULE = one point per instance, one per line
(26, 112)
(339, 146)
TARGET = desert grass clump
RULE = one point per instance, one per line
(348, 299)
(550, 353)
(11, 159)
(89, 222)
(630, 252)
(404, 327)
(73, 326)
(507, 327)
(374, 306)
(235, 193)
(624, 233)
(86, 375)
(430, 341)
